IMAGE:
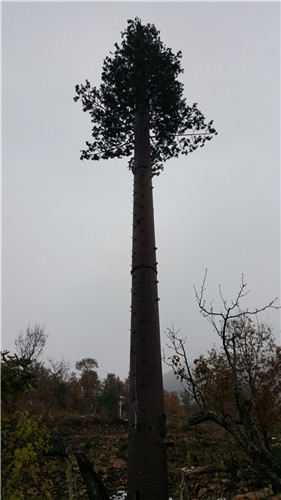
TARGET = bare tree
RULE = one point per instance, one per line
(238, 385)
(30, 344)
(59, 369)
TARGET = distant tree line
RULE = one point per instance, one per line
(35, 395)
(236, 385)
(52, 388)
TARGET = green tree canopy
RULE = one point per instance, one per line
(89, 381)
(86, 364)
(111, 390)
(141, 75)
(16, 379)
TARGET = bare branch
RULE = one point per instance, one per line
(181, 367)
(238, 385)
(31, 343)
(229, 314)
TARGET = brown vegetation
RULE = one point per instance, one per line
(52, 420)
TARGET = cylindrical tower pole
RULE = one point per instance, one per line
(147, 469)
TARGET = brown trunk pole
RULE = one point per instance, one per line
(147, 469)
(94, 485)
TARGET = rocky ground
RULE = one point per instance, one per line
(200, 464)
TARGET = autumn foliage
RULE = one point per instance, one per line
(237, 385)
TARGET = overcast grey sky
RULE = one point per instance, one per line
(67, 223)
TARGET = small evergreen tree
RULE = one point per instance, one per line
(89, 381)
(112, 388)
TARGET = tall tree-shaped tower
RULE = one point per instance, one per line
(147, 475)
(139, 111)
